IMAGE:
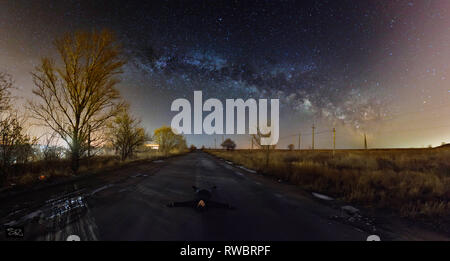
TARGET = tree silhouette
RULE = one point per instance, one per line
(168, 140)
(228, 144)
(77, 96)
(125, 134)
(6, 85)
(15, 145)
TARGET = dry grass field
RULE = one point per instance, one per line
(413, 182)
(43, 171)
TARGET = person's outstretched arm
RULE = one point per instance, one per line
(190, 203)
(213, 204)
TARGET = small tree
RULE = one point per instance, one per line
(290, 147)
(126, 134)
(15, 145)
(228, 144)
(168, 140)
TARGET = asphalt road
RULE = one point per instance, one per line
(132, 206)
(261, 213)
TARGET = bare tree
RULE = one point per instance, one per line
(78, 97)
(125, 134)
(6, 85)
(15, 145)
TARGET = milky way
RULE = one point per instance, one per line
(374, 67)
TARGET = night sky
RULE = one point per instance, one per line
(374, 67)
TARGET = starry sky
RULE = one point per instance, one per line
(374, 67)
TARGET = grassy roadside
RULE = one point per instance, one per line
(49, 172)
(414, 183)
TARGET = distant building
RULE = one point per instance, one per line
(152, 146)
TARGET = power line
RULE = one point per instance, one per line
(333, 130)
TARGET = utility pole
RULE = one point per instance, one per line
(89, 145)
(89, 141)
(313, 127)
(299, 139)
(334, 140)
(365, 141)
(215, 143)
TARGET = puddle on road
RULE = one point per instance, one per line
(53, 209)
(63, 207)
(50, 221)
(55, 214)
(58, 216)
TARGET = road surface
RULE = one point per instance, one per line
(130, 204)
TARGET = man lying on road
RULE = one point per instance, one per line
(202, 201)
